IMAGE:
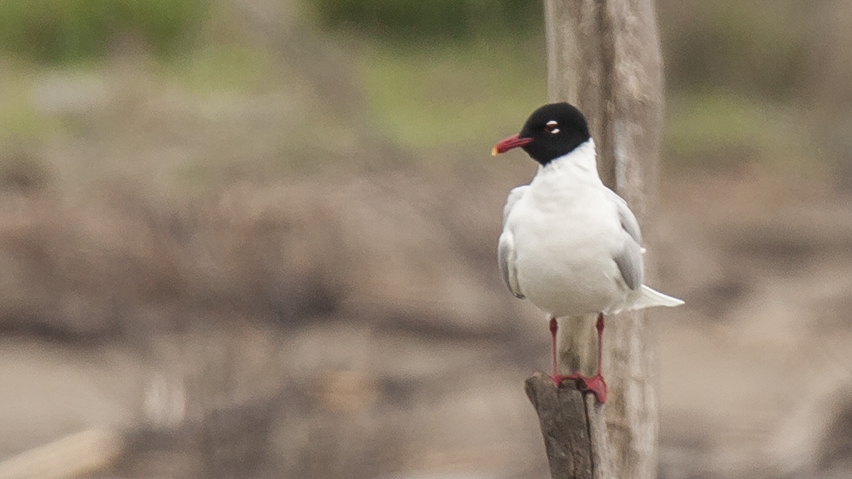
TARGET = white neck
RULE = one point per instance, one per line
(580, 164)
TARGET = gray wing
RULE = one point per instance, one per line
(506, 245)
(506, 260)
(628, 220)
(629, 258)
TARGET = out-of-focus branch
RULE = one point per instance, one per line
(71, 456)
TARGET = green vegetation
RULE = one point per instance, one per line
(718, 129)
(444, 75)
(454, 94)
(421, 20)
(59, 31)
(733, 73)
(19, 118)
(217, 68)
(745, 47)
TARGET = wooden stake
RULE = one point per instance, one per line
(574, 429)
(604, 57)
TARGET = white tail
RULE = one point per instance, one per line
(650, 298)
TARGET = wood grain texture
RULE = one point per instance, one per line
(604, 57)
(573, 427)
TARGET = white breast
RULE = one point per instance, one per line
(564, 229)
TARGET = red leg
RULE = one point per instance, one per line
(554, 327)
(594, 384)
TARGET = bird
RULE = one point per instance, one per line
(569, 244)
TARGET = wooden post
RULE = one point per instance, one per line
(574, 430)
(604, 57)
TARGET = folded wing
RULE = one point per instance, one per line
(506, 245)
(628, 256)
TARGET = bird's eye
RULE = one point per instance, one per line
(552, 127)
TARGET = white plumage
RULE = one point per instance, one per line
(572, 246)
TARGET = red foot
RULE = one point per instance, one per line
(595, 384)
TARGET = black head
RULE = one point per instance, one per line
(551, 131)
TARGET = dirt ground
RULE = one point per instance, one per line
(394, 351)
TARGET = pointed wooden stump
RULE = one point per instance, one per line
(573, 427)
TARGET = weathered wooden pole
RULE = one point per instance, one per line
(604, 57)
(574, 430)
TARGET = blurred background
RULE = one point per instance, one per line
(256, 239)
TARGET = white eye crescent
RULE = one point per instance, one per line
(552, 127)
